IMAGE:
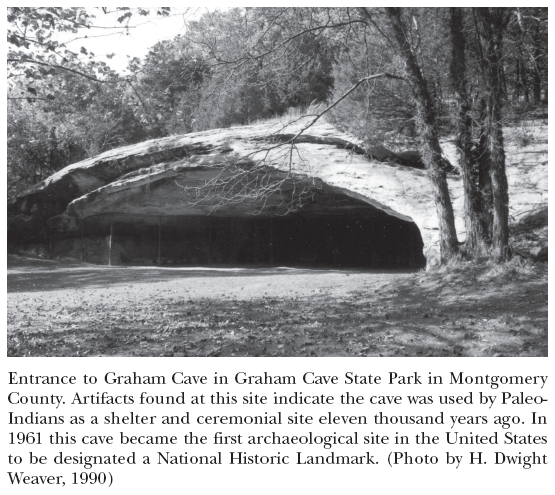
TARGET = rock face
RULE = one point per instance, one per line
(530, 235)
(540, 253)
(162, 178)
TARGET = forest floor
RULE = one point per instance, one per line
(69, 308)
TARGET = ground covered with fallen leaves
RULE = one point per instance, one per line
(68, 308)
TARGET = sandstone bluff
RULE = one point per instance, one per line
(152, 185)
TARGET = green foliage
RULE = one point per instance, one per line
(63, 105)
(526, 72)
(33, 148)
(260, 66)
(168, 88)
(380, 111)
(85, 118)
(35, 54)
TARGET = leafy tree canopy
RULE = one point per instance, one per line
(35, 54)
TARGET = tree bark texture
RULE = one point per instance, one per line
(426, 124)
(491, 24)
(469, 166)
(484, 180)
(536, 70)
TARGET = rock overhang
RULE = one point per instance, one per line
(148, 179)
(185, 161)
(173, 192)
(156, 178)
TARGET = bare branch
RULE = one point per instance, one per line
(56, 66)
(347, 93)
(257, 176)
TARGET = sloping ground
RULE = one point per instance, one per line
(148, 178)
(60, 308)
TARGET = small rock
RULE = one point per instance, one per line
(539, 253)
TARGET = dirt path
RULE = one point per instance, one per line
(74, 309)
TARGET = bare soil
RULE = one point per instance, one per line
(68, 308)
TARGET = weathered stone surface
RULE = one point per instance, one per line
(149, 178)
(540, 253)
(530, 234)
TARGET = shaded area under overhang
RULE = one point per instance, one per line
(362, 238)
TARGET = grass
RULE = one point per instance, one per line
(522, 136)
(484, 270)
(294, 114)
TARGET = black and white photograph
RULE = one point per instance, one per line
(277, 182)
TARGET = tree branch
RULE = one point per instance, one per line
(27, 98)
(342, 97)
(56, 66)
(280, 45)
(250, 178)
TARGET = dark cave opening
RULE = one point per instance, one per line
(360, 239)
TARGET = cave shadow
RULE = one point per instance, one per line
(48, 277)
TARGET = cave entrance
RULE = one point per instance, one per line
(374, 240)
(362, 239)
(329, 227)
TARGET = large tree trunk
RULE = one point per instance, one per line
(536, 68)
(516, 94)
(475, 239)
(427, 133)
(525, 84)
(484, 179)
(491, 22)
